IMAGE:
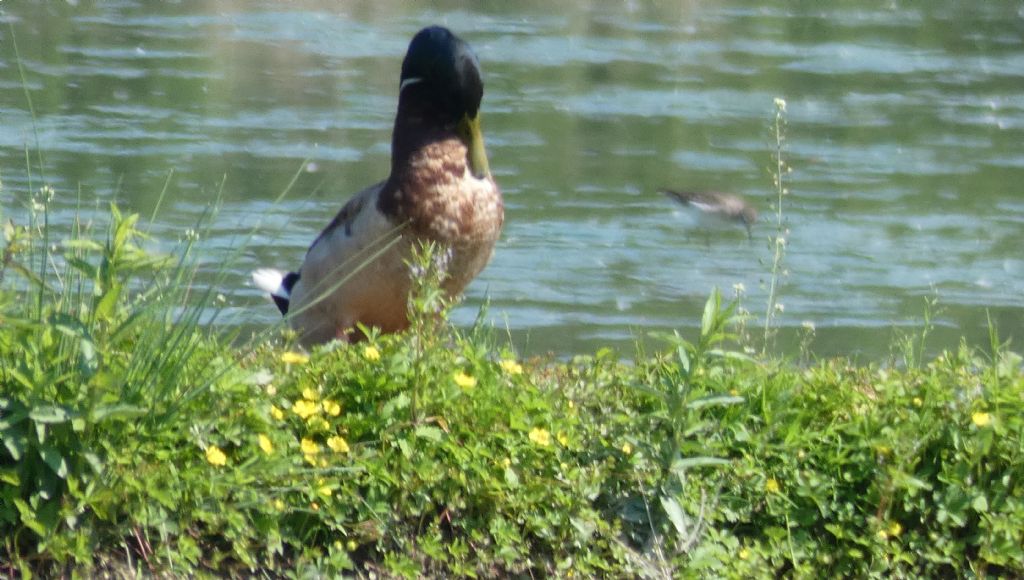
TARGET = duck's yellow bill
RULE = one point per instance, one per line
(469, 130)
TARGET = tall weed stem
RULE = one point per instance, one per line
(778, 171)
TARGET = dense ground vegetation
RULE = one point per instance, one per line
(135, 439)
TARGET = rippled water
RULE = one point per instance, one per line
(905, 125)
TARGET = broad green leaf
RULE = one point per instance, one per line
(511, 478)
(675, 513)
(49, 414)
(106, 305)
(980, 504)
(430, 433)
(55, 460)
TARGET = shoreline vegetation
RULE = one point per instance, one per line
(137, 439)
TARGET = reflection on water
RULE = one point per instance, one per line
(904, 132)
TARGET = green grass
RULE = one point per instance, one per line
(136, 440)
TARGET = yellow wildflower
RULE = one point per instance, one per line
(371, 353)
(351, 545)
(279, 505)
(265, 444)
(918, 402)
(305, 409)
(883, 535)
(276, 413)
(981, 419)
(540, 436)
(744, 554)
(309, 447)
(772, 485)
(296, 358)
(309, 394)
(325, 490)
(331, 408)
(337, 444)
(627, 448)
(895, 529)
(314, 506)
(511, 367)
(215, 456)
(563, 439)
(465, 381)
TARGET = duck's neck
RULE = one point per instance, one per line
(417, 125)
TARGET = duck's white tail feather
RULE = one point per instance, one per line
(271, 281)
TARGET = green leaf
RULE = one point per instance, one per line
(94, 461)
(11, 418)
(21, 378)
(28, 517)
(82, 266)
(714, 400)
(15, 441)
(680, 465)
(87, 245)
(430, 433)
(584, 527)
(400, 402)
(10, 477)
(674, 513)
(731, 354)
(711, 308)
(106, 305)
(980, 504)
(124, 229)
(511, 478)
(55, 460)
(49, 414)
(684, 359)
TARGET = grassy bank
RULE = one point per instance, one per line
(137, 440)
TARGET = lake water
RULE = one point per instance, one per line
(905, 126)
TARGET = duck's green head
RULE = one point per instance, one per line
(441, 80)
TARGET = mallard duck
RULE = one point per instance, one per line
(440, 189)
(725, 205)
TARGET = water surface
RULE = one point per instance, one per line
(904, 132)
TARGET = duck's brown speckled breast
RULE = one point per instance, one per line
(438, 199)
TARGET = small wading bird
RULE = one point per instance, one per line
(724, 205)
(440, 190)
